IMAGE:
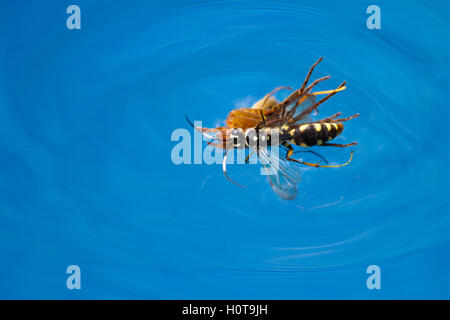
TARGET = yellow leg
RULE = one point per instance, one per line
(248, 157)
(316, 165)
(330, 91)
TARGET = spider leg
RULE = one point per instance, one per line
(310, 73)
(294, 108)
(331, 118)
(297, 94)
(345, 119)
(316, 105)
(312, 85)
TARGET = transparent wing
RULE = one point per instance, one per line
(277, 119)
(282, 175)
(308, 101)
(265, 103)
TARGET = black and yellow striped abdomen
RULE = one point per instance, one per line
(311, 134)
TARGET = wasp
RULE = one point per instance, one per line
(290, 122)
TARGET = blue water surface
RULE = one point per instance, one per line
(86, 178)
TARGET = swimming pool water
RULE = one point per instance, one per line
(86, 176)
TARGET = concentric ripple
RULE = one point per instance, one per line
(87, 117)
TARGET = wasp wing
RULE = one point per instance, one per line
(306, 101)
(282, 175)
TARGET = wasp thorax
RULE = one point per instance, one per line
(257, 138)
(237, 135)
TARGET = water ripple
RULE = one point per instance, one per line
(92, 114)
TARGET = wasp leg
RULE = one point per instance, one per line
(314, 153)
(316, 165)
(248, 157)
(290, 152)
(339, 145)
(288, 146)
(329, 91)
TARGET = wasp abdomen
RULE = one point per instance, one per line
(311, 134)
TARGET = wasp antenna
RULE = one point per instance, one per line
(189, 121)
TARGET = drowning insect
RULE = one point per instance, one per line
(250, 117)
(288, 121)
